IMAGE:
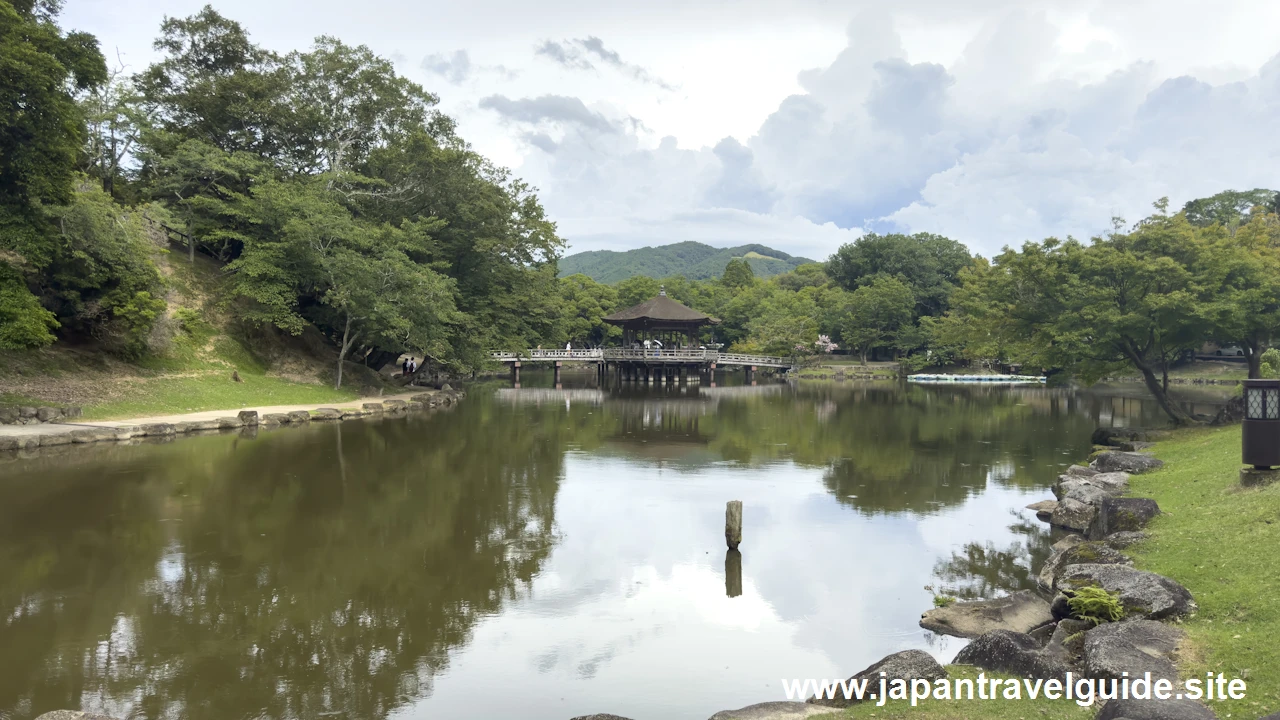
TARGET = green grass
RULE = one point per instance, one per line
(1220, 541)
(172, 396)
(1211, 369)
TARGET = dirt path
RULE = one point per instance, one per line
(67, 427)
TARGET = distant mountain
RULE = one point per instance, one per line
(693, 260)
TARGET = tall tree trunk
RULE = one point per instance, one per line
(1161, 395)
(863, 352)
(347, 341)
(1253, 358)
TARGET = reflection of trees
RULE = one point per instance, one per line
(983, 570)
(896, 448)
(293, 580)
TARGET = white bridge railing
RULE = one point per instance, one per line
(650, 355)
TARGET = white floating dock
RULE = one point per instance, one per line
(1005, 379)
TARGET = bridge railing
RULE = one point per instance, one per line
(548, 355)
(667, 354)
(658, 354)
(740, 359)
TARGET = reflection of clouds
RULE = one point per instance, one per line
(631, 607)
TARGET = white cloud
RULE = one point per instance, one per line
(798, 124)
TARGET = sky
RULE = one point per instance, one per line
(803, 125)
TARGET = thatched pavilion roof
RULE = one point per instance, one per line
(660, 309)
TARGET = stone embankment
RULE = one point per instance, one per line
(32, 415)
(66, 432)
(1044, 635)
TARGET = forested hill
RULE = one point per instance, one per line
(693, 260)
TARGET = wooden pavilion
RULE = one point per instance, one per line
(660, 318)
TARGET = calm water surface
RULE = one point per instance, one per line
(533, 553)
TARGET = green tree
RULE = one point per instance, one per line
(1138, 300)
(1245, 270)
(737, 274)
(635, 290)
(41, 134)
(363, 279)
(929, 264)
(875, 314)
(1229, 208)
(585, 302)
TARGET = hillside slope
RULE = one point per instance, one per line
(694, 260)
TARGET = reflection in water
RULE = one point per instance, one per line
(566, 542)
(732, 573)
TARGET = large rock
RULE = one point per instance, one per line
(374, 408)
(299, 417)
(229, 423)
(1115, 435)
(1078, 554)
(1122, 540)
(768, 711)
(600, 716)
(1073, 515)
(1022, 612)
(275, 419)
(8, 415)
(158, 429)
(1044, 509)
(1013, 653)
(327, 414)
(48, 414)
(1124, 515)
(1083, 490)
(395, 405)
(248, 417)
(906, 665)
(1232, 412)
(1080, 471)
(1143, 594)
(1134, 647)
(1132, 463)
(92, 435)
(1067, 641)
(1155, 710)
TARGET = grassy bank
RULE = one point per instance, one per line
(192, 368)
(1216, 538)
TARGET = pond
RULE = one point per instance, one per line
(532, 553)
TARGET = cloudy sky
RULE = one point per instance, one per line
(803, 124)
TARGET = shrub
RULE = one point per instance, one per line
(941, 601)
(23, 322)
(1096, 605)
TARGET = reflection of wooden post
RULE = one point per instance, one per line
(732, 573)
(733, 523)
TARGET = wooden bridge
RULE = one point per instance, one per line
(693, 357)
(653, 365)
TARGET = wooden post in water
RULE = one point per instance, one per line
(733, 523)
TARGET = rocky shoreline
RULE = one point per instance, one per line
(21, 440)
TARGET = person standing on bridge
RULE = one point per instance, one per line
(646, 346)
(568, 345)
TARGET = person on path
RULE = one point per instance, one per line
(404, 367)
(413, 366)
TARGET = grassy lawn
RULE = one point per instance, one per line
(1219, 540)
(171, 396)
(1212, 369)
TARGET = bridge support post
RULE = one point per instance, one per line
(684, 374)
(558, 364)
(749, 372)
(515, 371)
